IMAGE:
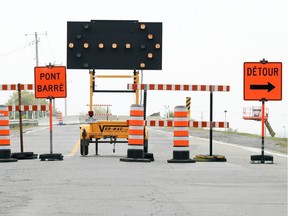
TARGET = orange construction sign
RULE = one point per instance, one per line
(50, 82)
(263, 80)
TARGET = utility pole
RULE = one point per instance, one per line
(37, 58)
(36, 46)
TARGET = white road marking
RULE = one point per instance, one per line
(251, 149)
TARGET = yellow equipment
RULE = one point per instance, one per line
(112, 130)
(99, 131)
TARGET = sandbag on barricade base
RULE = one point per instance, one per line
(210, 158)
(51, 157)
(24, 155)
(261, 158)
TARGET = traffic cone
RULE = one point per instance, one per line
(60, 118)
(5, 152)
(181, 152)
(135, 152)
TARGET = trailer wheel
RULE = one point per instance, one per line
(84, 145)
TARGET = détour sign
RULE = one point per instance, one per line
(262, 80)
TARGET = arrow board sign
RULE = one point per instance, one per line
(262, 80)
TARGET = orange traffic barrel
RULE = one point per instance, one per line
(60, 118)
(181, 153)
(5, 152)
(135, 152)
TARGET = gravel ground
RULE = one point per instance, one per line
(241, 139)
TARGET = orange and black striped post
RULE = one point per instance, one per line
(188, 103)
(5, 152)
(181, 153)
(135, 152)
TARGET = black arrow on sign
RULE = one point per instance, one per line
(269, 87)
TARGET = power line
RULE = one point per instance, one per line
(36, 44)
(17, 50)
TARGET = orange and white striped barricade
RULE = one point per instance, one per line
(5, 151)
(23, 155)
(11, 87)
(181, 153)
(135, 152)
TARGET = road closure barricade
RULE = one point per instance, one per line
(20, 87)
(23, 155)
(182, 87)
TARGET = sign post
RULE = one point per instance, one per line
(50, 83)
(22, 155)
(262, 82)
(263, 133)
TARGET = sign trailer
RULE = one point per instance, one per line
(262, 82)
(50, 83)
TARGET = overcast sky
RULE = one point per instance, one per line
(204, 42)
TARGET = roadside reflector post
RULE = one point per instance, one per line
(22, 155)
(135, 152)
(181, 153)
(5, 152)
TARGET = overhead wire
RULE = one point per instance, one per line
(17, 50)
(48, 54)
(32, 52)
(50, 48)
(43, 53)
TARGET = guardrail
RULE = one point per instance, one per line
(25, 122)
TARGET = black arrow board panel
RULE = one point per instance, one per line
(108, 44)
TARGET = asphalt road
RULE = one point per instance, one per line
(102, 185)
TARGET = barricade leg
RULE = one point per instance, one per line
(135, 152)
(5, 152)
(181, 153)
